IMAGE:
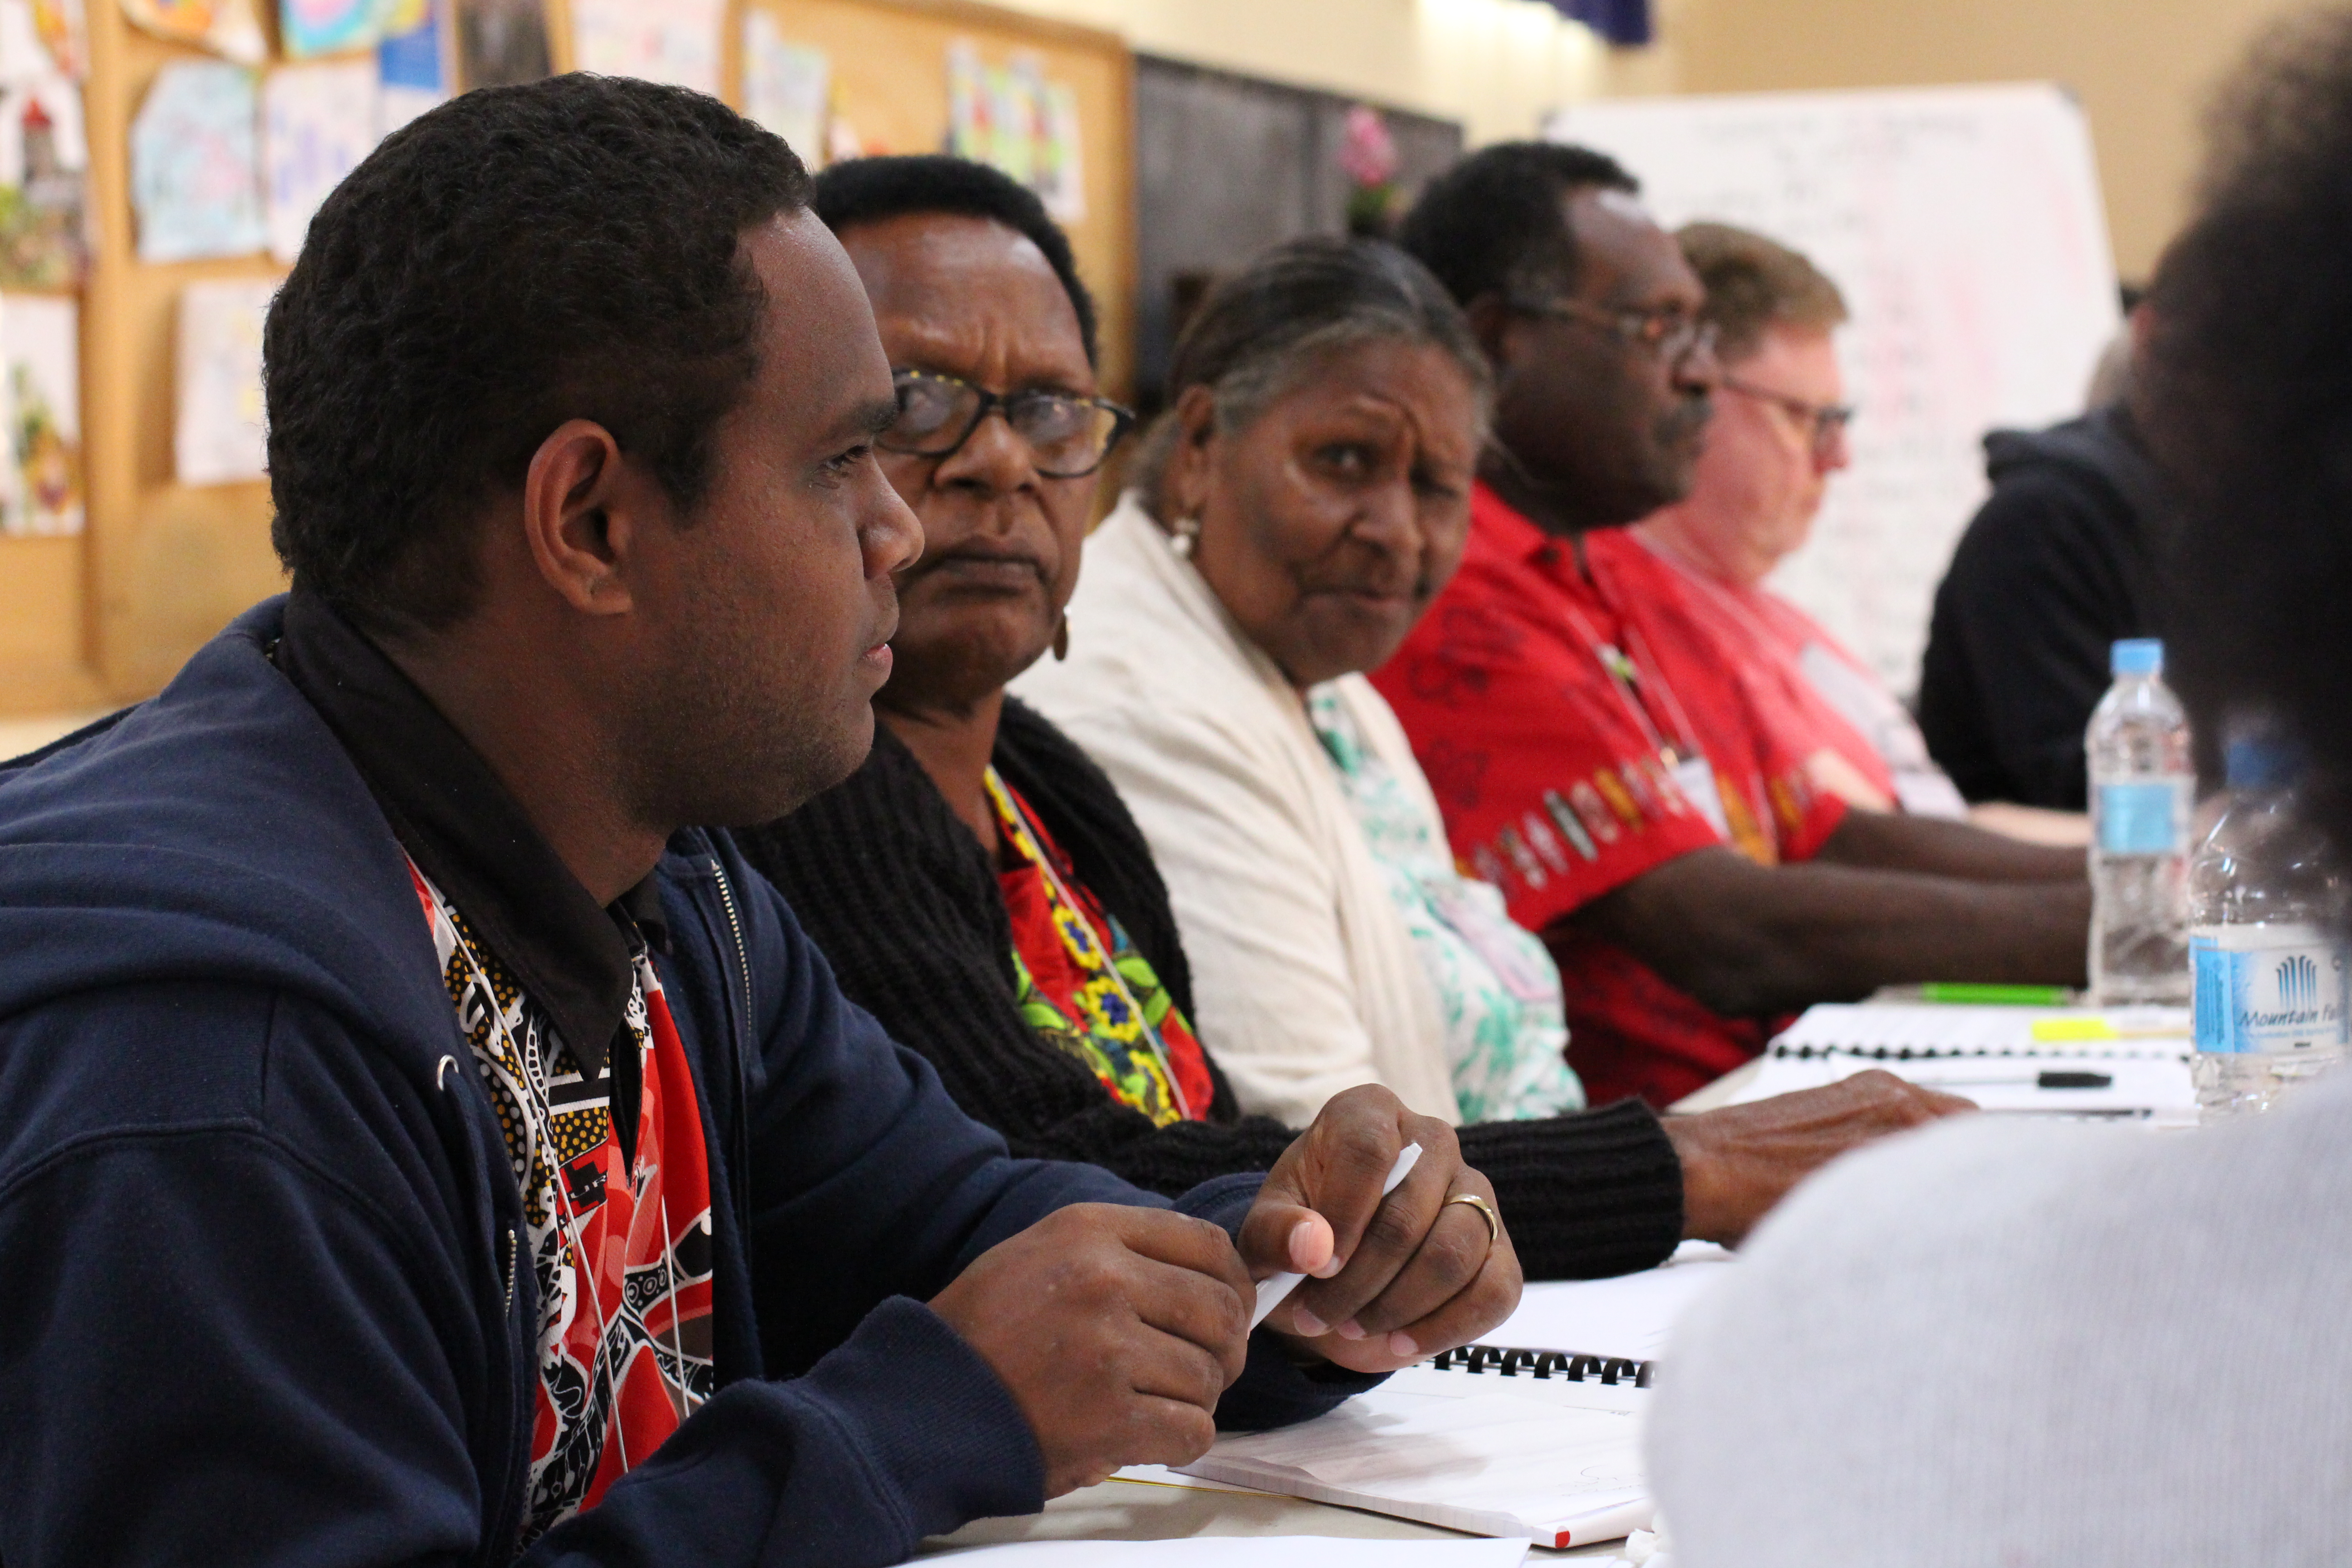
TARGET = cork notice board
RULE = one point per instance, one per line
(109, 615)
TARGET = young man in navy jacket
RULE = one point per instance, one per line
(417, 1141)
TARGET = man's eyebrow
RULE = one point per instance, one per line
(872, 417)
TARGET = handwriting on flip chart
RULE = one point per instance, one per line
(1964, 228)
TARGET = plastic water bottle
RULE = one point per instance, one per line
(2274, 998)
(2141, 785)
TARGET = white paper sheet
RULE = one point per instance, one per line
(2160, 1087)
(1489, 1465)
(786, 86)
(1629, 1316)
(218, 437)
(2078, 1032)
(318, 122)
(676, 41)
(40, 406)
(1965, 226)
(1242, 1552)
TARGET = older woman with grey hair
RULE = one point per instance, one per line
(981, 887)
(1305, 496)
(1297, 509)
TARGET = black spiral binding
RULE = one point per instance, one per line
(1568, 1365)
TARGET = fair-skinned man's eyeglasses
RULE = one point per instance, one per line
(1068, 436)
(1669, 332)
(1824, 423)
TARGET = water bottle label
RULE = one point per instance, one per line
(2281, 988)
(2146, 816)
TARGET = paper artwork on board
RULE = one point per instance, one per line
(673, 41)
(785, 86)
(317, 122)
(500, 43)
(218, 432)
(40, 403)
(308, 28)
(412, 63)
(195, 179)
(42, 38)
(1014, 120)
(1060, 178)
(44, 172)
(228, 27)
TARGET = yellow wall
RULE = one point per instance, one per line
(2142, 67)
(1494, 65)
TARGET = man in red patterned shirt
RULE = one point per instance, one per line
(1591, 758)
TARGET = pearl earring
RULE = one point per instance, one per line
(1188, 533)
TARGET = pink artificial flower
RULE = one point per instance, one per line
(1368, 153)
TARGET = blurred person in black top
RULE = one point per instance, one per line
(2057, 566)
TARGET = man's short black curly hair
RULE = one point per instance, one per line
(1493, 223)
(2244, 391)
(516, 257)
(868, 190)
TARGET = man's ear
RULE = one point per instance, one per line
(1491, 317)
(581, 512)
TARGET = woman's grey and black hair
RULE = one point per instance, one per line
(1264, 331)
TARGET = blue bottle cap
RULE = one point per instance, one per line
(2137, 655)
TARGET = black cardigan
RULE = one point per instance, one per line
(902, 900)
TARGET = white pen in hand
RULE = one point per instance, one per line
(1276, 1288)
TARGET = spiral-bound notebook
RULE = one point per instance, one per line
(1535, 1432)
(2124, 1064)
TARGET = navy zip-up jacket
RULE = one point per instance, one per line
(259, 1300)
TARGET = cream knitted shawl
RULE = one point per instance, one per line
(1306, 978)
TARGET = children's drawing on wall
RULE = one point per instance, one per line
(676, 41)
(785, 86)
(317, 122)
(194, 162)
(1012, 119)
(412, 64)
(231, 28)
(309, 27)
(40, 403)
(44, 155)
(218, 432)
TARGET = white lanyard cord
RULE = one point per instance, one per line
(1630, 688)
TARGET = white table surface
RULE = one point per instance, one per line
(1142, 1510)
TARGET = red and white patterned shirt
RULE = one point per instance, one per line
(620, 1247)
(1579, 730)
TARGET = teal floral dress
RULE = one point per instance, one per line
(1496, 988)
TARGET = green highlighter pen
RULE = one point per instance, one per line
(1970, 992)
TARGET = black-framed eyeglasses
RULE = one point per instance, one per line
(1669, 332)
(1068, 436)
(1826, 423)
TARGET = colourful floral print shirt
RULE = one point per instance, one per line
(1506, 1031)
(1081, 982)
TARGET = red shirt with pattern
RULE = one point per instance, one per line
(1561, 710)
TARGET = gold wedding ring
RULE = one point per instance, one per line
(1486, 1211)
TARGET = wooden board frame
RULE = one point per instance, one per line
(110, 616)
